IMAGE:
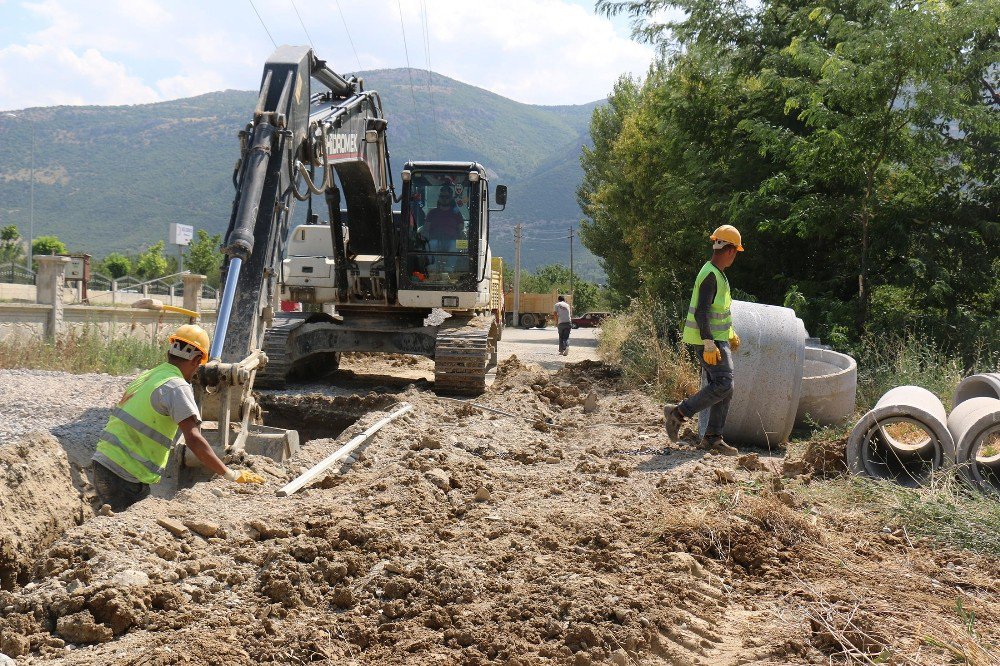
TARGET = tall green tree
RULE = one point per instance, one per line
(203, 256)
(116, 265)
(151, 263)
(11, 249)
(848, 139)
(43, 245)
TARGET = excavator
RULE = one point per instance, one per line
(417, 281)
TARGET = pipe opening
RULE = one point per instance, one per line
(985, 460)
(902, 450)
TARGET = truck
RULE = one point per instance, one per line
(535, 309)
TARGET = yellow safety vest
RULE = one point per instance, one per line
(720, 319)
(138, 438)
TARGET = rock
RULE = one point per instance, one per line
(106, 510)
(82, 628)
(173, 526)
(619, 657)
(686, 562)
(785, 498)
(541, 426)
(552, 460)
(482, 495)
(13, 644)
(130, 578)
(590, 404)
(426, 442)
(203, 528)
(439, 478)
(792, 468)
(6, 661)
(583, 659)
(620, 613)
(750, 462)
(724, 475)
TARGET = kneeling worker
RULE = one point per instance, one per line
(709, 324)
(134, 448)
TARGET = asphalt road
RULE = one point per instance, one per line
(541, 345)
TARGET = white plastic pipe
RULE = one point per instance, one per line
(878, 449)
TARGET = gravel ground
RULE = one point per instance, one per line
(74, 408)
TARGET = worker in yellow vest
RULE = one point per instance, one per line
(133, 450)
(709, 324)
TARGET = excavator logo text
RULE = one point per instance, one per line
(342, 146)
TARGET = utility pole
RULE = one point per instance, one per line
(517, 275)
(571, 261)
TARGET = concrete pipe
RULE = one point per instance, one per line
(975, 427)
(986, 385)
(905, 438)
(829, 388)
(767, 375)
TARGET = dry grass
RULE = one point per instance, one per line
(89, 351)
(634, 342)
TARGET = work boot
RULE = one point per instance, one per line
(718, 445)
(673, 419)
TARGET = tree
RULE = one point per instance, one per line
(203, 256)
(44, 245)
(849, 141)
(151, 263)
(116, 265)
(11, 249)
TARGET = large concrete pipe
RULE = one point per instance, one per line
(986, 385)
(829, 388)
(975, 427)
(905, 438)
(767, 375)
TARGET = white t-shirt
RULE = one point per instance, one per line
(563, 313)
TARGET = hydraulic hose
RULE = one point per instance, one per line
(226, 307)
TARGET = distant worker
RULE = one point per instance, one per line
(444, 225)
(133, 450)
(709, 325)
(564, 323)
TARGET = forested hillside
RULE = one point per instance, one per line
(113, 178)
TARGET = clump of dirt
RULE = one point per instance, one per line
(825, 459)
(38, 502)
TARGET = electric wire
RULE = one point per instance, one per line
(302, 23)
(348, 31)
(427, 57)
(264, 25)
(409, 72)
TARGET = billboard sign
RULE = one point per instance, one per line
(181, 234)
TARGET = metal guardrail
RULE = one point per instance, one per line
(12, 273)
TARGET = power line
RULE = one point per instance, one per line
(263, 24)
(427, 57)
(409, 71)
(303, 25)
(348, 31)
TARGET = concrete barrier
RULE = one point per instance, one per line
(829, 388)
(904, 438)
(29, 320)
(767, 375)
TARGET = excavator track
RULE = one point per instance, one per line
(462, 353)
(279, 362)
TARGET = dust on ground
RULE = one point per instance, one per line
(549, 533)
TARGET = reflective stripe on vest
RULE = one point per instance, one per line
(720, 319)
(138, 438)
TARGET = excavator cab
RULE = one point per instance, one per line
(444, 236)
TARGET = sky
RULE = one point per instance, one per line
(55, 52)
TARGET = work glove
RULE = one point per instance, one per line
(711, 353)
(734, 342)
(243, 476)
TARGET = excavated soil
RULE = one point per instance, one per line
(563, 530)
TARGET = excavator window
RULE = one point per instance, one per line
(439, 240)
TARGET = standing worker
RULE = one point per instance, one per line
(564, 323)
(709, 325)
(133, 450)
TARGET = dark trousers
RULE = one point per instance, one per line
(116, 491)
(716, 394)
(564, 330)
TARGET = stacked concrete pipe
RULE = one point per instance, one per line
(975, 427)
(873, 450)
(767, 375)
(829, 388)
(986, 385)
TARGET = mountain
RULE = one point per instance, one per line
(112, 178)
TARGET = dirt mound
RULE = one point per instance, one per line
(38, 502)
